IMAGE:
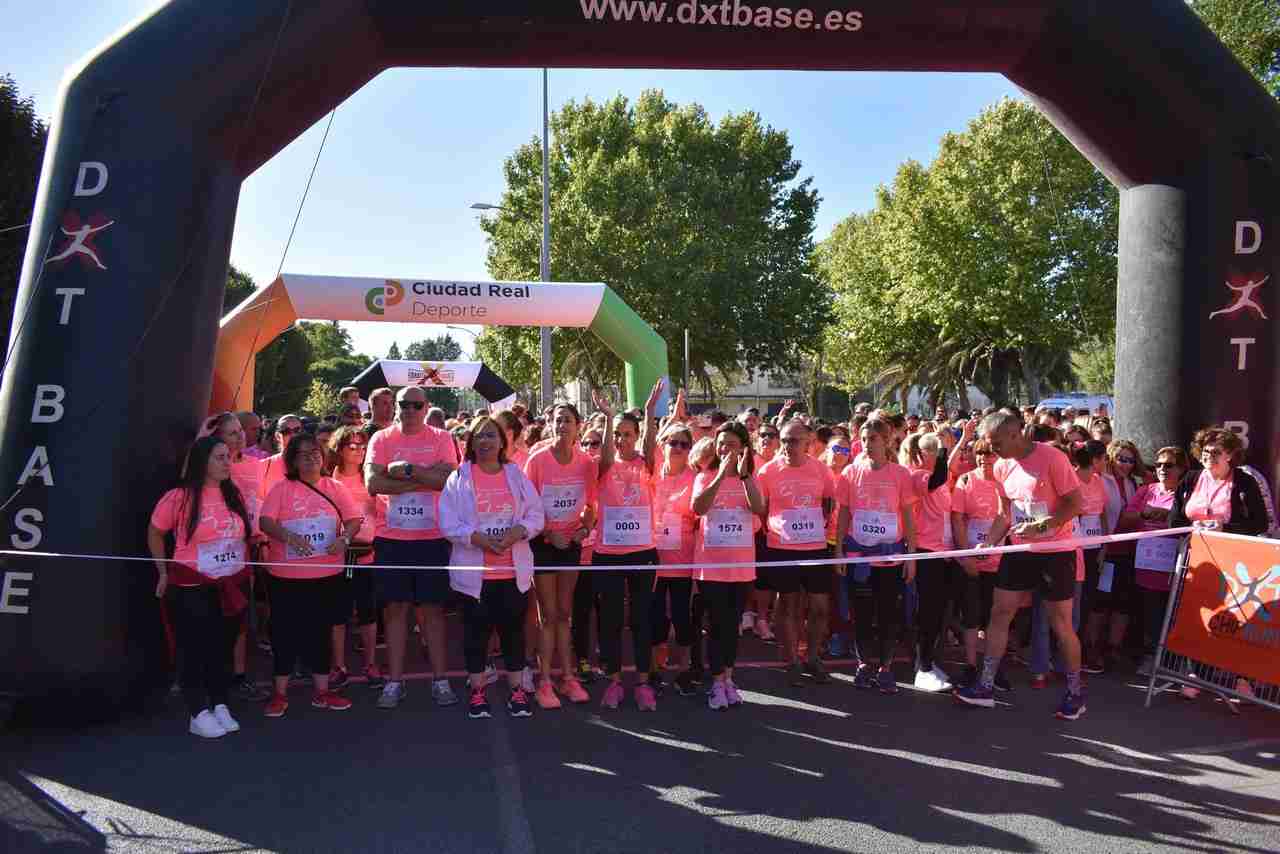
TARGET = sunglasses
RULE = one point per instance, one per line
(413, 404)
(794, 440)
(984, 453)
(769, 437)
(354, 447)
(1212, 453)
(679, 443)
(1127, 461)
(587, 444)
(840, 449)
(1167, 465)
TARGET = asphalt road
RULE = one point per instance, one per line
(818, 768)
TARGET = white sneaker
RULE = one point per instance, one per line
(934, 681)
(206, 725)
(223, 716)
(763, 632)
(748, 622)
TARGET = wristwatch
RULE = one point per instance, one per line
(408, 470)
(1043, 526)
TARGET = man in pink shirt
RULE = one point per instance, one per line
(406, 467)
(1040, 495)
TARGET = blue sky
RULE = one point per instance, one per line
(414, 148)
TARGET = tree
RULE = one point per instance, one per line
(442, 348)
(328, 339)
(321, 400)
(338, 371)
(1095, 365)
(22, 139)
(282, 379)
(1251, 29)
(394, 352)
(240, 287)
(693, 223)
(984, 268)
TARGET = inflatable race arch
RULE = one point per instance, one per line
(257, 321)
(117, 315)
(398, 373)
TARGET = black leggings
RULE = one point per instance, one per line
(302, 617)
(613, 587)
(680, 615)
(501, 606)
(877, 611)
(938, 582)
(584, 603)
(205, 639)
(979, 591)
(724, 602)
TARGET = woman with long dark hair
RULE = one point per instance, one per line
(210, 524)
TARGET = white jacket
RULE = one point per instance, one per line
(458, 521)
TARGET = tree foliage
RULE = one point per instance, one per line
(985, 267)
(240, 286)
(1095, 365)
(394, 352)
(22, 140)
(321, 400)
(694, 223)
(1251, 29)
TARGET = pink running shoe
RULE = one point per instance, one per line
(731, 693)
(573, 689)
(612, 696)
(646, 700)
(719, 700)
(546, 696)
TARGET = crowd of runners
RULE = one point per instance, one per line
(560, 532)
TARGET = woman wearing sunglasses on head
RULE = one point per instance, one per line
(566, 478)
(346, 465)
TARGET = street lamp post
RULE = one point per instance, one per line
(544, 260)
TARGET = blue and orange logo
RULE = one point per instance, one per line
(378, 300)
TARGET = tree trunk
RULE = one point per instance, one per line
(1031, 382)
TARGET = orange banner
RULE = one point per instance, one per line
(1229, 615)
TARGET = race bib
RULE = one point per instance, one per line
(495, 525)
(318, 531)
(1029, 511)
(411, 511)
(671, 532)
(628, 526)
(562, 501)
(802, 525)
(729, 528)
(1090, 526)
(220, 558)
(978, 530)
(871, 528)
(1106, 577)
(1157, 554)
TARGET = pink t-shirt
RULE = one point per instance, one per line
(1034, 486)
(673, 512)
(795, 495)
(1152, 496)
(297, 507)
(875, 498)
(363, 501)
(978, 501)
(270, 472)
(566, 490)
(625, 520)
(410, 515)
(217, 548)
(726, 533)
(932, 513)
(247, 476)
(495, 512)
(1211, 499)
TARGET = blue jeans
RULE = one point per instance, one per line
(1040, 634)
